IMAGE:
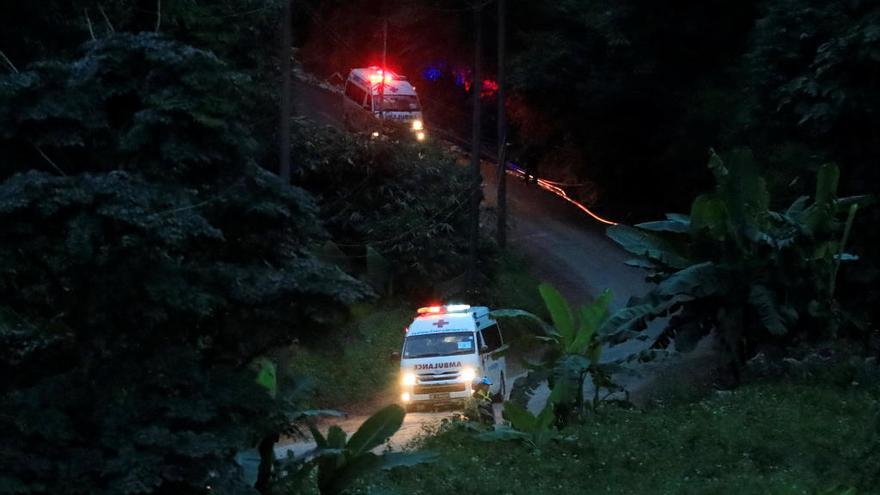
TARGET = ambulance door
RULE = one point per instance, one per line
(353, 110)
(492, 356)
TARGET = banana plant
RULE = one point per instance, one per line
(534, 430)
(738, 268)
(573, 348)
(341, 460)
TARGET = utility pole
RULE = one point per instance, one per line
(384, 53)
(501, 201)
(284, 124)
(476, 178)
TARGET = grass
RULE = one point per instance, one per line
(514, 286)
(356, 364)
(770, 438)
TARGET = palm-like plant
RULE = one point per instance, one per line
(341, 460)
(736, 267)
(573, 348)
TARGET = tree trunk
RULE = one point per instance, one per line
(267, 459)
(284, 124)
(501, 230)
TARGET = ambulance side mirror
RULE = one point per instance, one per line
(484, 349)
(395, 356)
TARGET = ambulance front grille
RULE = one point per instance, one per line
(438, 377)
(437, 389)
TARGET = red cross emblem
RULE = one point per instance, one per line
(440, 323)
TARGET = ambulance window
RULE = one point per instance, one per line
(355, 93)
(492, 337)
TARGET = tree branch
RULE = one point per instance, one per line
(89, 24)
(46, 157)
(9, 62)
(106, 19)
(158, 14)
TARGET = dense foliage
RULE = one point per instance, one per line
(146, 262)
(737, 268)
(396, 210)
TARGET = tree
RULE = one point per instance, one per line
(163, 263)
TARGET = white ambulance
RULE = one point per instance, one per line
(364, 110)
(447, 349)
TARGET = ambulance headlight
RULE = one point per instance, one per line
(467, 375)
(408, 379)
(420, 136)
(405, 397)
(417, 125)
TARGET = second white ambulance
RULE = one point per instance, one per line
(372, 96)
(445, 350)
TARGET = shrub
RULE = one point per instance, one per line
(734, 266)
(397, 210)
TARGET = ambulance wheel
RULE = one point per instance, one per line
(499, 397)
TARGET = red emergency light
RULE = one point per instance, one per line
(377, 78)
(439, 310)
(431, 310)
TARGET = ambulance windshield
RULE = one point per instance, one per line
(400, 103)
(438, 344)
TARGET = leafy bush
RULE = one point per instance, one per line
(341, 461)
(397, 210)
(534, 430)
(364, 345)
(573, 349)
(145, 263)
(736, 267)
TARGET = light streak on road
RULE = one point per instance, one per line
(516, 171)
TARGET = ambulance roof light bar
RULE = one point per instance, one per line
(376, 76)
(439, 310)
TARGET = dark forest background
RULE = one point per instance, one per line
(151, 264)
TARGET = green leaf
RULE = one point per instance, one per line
(709, 215)
(502, 433)
(560, 393)
(336, 437)
(764, 302)
(797, 208)
(376, 429)
(519, 417)
(560, 312)
(519, 313)
(678, 225)
(591, 317)
(320, 441)
(843, 204)
(639, 242)
(700, 280)
(827, 178)
(266, 375)
(640, 263)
